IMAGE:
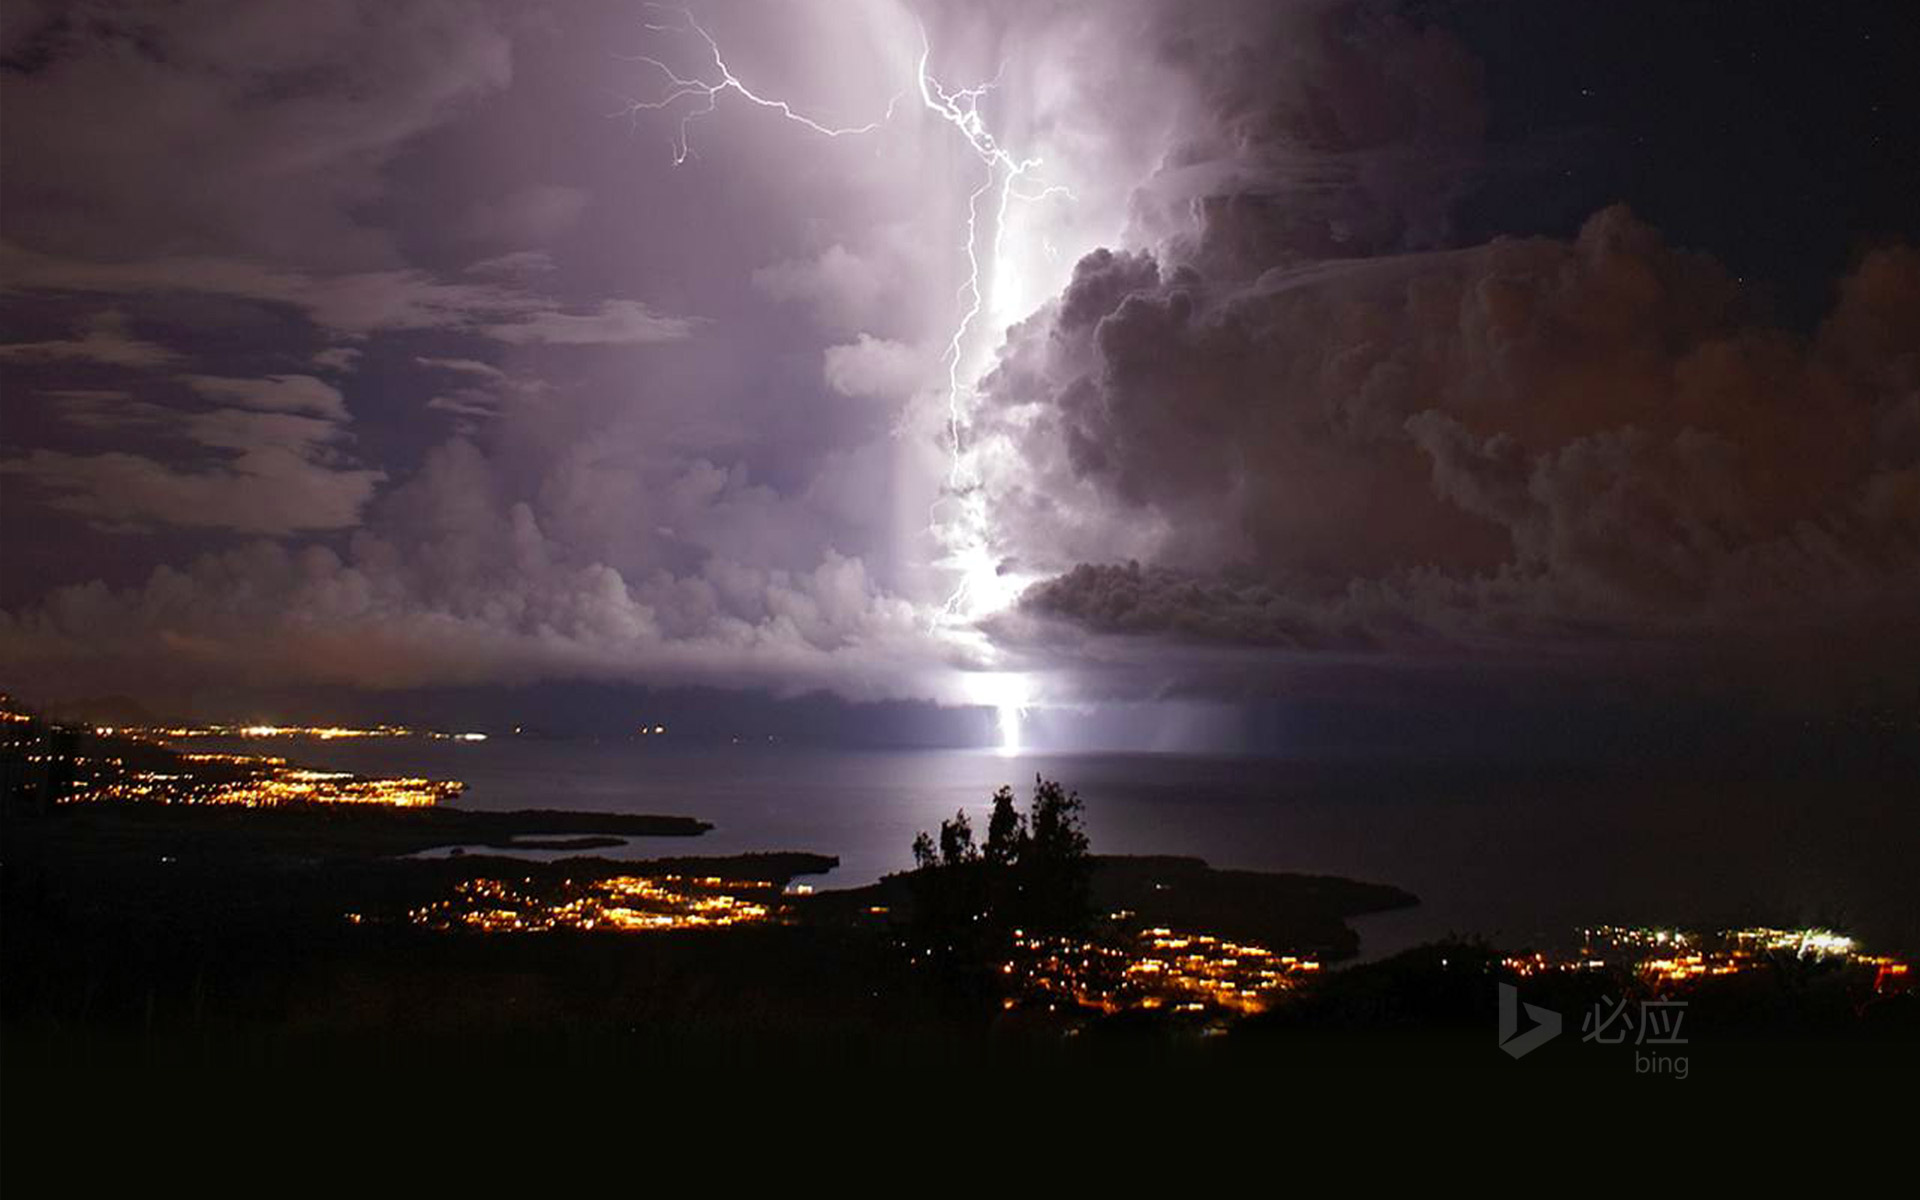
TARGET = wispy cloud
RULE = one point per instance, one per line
(105, 341)
(612, 323)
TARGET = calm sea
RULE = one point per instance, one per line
(1518, 856)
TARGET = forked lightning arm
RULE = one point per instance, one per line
(706, 95)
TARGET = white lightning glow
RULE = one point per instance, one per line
(1009, 716)
(961, 109)
(963, 520)
(1009, 695)
(706, 95)
(967, 533)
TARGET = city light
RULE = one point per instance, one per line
(323, 733)
(622, 903)
(1155, 969)
(109, 764)
(1670, 957)
(273, 785)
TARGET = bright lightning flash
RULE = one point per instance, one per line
(1009, 721)
(966, 534)
(1008, 694)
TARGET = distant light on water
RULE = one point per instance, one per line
(1009, 721)
(1008, 694)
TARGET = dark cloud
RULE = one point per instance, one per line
(339, 359)
(224, 127)
(280, 393)
(1128, 599)
(536, 215)
(411, 367)
(1306, 420)
(1527, 433)
(354, 305)
(277, 464)
(104, 340)
(1314, 130)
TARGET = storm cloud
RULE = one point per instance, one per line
(386, 345)
(1591, 423)
(1302, 419)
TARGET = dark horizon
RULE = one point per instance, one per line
(1483, 729)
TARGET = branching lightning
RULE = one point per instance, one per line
(965, 535)
(706, 95)
(970, 549)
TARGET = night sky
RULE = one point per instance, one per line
(1337, 364)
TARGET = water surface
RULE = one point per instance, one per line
(1518, 856)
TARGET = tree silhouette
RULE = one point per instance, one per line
(1055, 867)
(956, 840)
(1006, 830)
(1056, 832)
(1034, 871)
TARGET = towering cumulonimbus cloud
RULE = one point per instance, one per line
(1299, 416)
(1312, 130)
(1597, 406)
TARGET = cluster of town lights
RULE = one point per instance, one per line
(324, 733)
(621, 903)
(276, 786)
(1154, 969)
(63, 773)
(1666, 957)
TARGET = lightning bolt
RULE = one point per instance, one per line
(961, 109)
(969, 537)
(965, 537)
(706, 95)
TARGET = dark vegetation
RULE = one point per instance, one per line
(964, 905)
(977, 918)
(1032, 873)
